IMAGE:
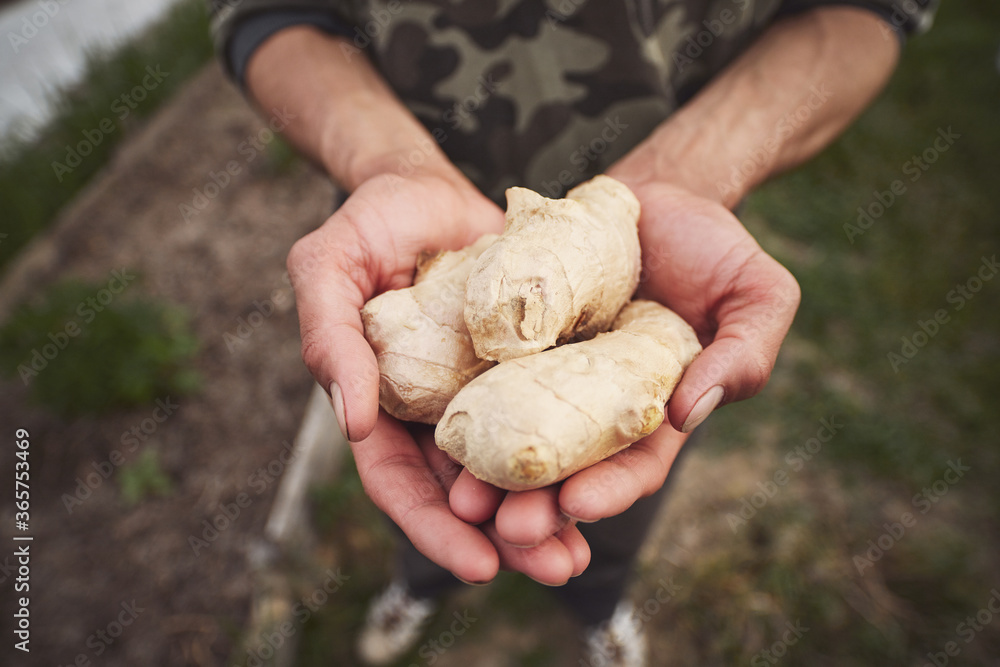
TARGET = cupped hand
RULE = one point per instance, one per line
(368, 246)
(700, 261)
(409, 478)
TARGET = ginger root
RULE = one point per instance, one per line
(535, 420)
(418, 334)
(560, 272)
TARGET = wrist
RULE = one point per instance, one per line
(420, 162)
(346, 117)
(687, 156)
(408, 151)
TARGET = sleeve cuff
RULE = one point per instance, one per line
(905, 18)
(248, 34)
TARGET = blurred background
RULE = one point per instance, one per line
(848, 515)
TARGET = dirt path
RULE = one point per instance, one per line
(223, 263)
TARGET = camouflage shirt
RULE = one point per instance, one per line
(538, 93)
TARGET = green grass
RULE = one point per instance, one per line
(143, 478)
(902, 425)
(861, 299)
(88, 348)
(32, 189)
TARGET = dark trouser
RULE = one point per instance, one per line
(614, 543)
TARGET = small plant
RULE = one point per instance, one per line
(81, 352)
(281, 157)
(142, 479)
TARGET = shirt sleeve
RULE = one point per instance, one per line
(904, 17)
(238, 29)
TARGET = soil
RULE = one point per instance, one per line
(96, 561)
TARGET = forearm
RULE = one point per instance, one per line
(781, 102)
(345, 117)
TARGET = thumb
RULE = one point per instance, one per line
(738, 362)
(334, 349)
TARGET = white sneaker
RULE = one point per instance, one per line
(618, 642)
(394, 623)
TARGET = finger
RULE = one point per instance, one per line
(444, 468)
(550, 563)
(396, 476)
(576, 545)
(737, 364)
(331, 286)
(611, 486)
(473, 500)
(701, 261)
(361, 250)
(528, 518)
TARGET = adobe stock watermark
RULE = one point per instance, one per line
(249, 148)
(608, 482)
(784, 302)
(927, 329)
(779, 649)
(903, 12)
(967, 631)
(455, 117)
(30, 25)
(654, 258)
(270, 641)
(7, 569)
(463, 110)
(784, 129)
(431, 484)
(796, 459)
(102, 638)
(584, 155)
(87, 310)
(915, 167)
(602, 654)
(666, 591)
(223, 5)
(130, 440)
(714, 28)
(434, 648)
(247, 326)
(365, 33)
(228, 513)
(562, 12)
(123, 105)
(922, 502)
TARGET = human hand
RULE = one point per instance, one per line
(370, 245)
(700, 261)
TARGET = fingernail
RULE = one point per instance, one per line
(545, 583)
(471, 583)
(703, 408)
(337, 401)
(578, 520)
